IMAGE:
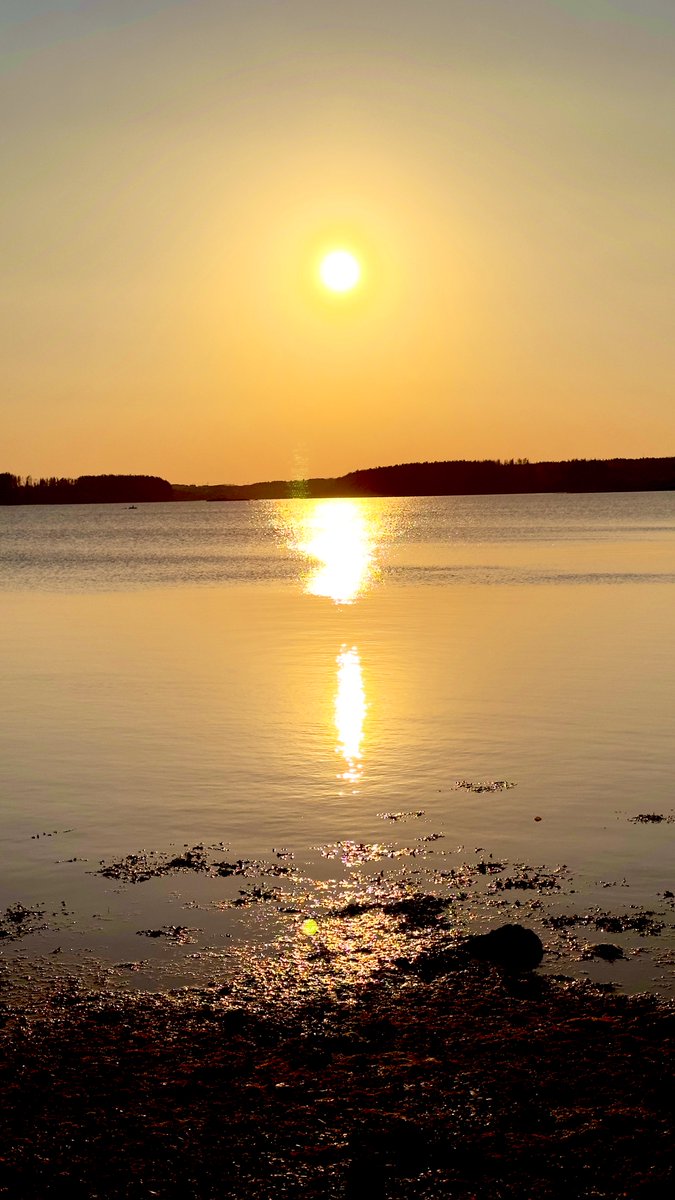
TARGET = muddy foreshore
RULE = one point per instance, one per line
(438, 1076)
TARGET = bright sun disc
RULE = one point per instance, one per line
(340, 271)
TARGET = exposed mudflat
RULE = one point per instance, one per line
(439, 1077)
(359, 1047)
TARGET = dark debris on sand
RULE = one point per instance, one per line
(17, 921)
(490, 785)
(652, 819)
(181, 934)
(462, 1083)
(643, 921)
(149, 864)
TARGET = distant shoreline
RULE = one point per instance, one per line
(460, 477)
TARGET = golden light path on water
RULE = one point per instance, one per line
(341, 536)
(350, 713)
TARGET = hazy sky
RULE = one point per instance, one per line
(503, 169)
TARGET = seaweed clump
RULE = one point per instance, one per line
(17, 921)
(148, 864)
(644, 922)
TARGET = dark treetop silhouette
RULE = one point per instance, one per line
(88, 489)
(487, 477)
(490, 477)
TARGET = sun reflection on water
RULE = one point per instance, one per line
(340, 536)
(350, 712)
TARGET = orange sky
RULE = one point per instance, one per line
(171, 170)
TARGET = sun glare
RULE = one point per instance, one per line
(340, 271)
(340, 535)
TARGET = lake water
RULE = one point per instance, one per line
(267, 679)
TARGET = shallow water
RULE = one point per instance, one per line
(279, 675)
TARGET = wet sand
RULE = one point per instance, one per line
(434, 1076)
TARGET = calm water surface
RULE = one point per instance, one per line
(272, 676)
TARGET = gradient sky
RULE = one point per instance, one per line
(503, 168)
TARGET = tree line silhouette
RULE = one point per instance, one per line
(87, 489)
(462, 477)
(459, 477)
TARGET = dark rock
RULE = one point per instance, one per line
(419, 910)
(605, 950)
(511, 946)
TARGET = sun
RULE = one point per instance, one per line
(340, 271)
